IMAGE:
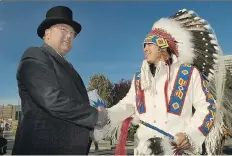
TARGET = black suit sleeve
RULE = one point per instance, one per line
(41, 83)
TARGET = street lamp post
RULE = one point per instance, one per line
(19, 100)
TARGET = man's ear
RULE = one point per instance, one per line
(164, 54)
(47, 33)
(162, 50)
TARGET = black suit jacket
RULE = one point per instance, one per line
(57, 116)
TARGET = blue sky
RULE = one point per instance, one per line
(110, 41)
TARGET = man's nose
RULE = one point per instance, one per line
(145, 49)
(69, 35)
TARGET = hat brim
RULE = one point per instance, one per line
(47, 23)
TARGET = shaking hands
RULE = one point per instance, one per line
(102, 117)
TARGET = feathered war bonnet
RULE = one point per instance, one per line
(191, 39)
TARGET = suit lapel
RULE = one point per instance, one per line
(68, 67)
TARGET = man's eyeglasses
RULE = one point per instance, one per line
(66, 31)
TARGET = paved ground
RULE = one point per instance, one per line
(104, 147)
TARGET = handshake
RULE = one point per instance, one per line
(102, 126)
(103, 122)
(103, 118)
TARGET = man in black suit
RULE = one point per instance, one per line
(57, 116)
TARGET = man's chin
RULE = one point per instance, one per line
(149, 61)
(65, 51)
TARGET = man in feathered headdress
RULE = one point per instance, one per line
(169, 96)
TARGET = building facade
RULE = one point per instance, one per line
(226, 64)
(9, 112)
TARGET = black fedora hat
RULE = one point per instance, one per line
(58, 15)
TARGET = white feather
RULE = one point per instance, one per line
(207, 26)
(183, 16)
(191, 12)
(196, 18)
(148, 143)
(216, 48)
(215, 55)
(212, 71)
(135, 120)
(216, 61)
(184, 21)
(167, 148)
(146, 147)
(184, 10)
(213, 42)
(181, 35)
(212, 36)
(149, 151)
(197, 29)
(210, 77)
(202, 20)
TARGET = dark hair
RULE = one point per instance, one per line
(152, 68)
(170, 51)
(169, 61)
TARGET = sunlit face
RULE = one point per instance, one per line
(152, 53)
(60, 37)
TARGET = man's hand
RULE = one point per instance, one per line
(182, 141)
(102, 126)
(102, 117)
(100, 109)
